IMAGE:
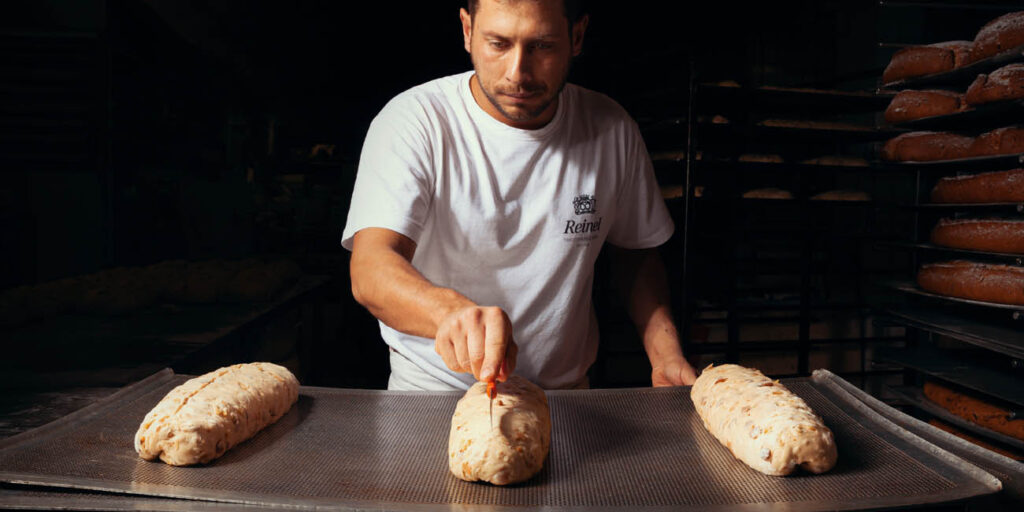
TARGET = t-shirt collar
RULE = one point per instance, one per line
(489, 123)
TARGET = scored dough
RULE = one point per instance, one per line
(764, 424)
(515, 449)
(204, 417)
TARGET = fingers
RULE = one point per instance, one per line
(444, 347)
(472, 347)
(509, 364)
(497, 337)
(478, 340)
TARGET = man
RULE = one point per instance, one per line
(482, 201)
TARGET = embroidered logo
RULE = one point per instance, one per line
(584, 203)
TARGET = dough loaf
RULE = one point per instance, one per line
(764, 424)
(515, 449)
(204, 417)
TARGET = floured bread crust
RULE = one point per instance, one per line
(515, 449)
(204, 417)
(764, 424)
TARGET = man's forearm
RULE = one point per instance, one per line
(385, 282)
(641, 278)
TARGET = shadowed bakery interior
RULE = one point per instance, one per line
(845, 178)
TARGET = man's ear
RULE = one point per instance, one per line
(578, 29)
(467, 28)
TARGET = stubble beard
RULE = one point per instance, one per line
(527, 115)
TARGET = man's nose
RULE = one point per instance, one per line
(518, 71)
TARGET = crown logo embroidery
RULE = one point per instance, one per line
(584, 204)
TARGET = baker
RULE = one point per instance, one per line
(482, 201)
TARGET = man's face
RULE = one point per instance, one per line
(521, 51)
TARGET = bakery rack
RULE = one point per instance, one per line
(969, 344)
(809, 251)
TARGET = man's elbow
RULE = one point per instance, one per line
(359, 285)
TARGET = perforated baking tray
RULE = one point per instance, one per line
(611, 449)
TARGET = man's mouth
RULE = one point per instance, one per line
(520, 95)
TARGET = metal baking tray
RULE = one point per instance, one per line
(636, 449)
(1009, 472)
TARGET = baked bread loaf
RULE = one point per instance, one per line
(1003, 284)
(204, 417)
(934, 58)
(1005, 83)
(768, 193)
(987, 187)
(764, 424)
(515, 448)
(1001, 141)
(926, 147)
(997, 36)
(991, 235)
(1006, 452)
(974, 410)
(910, 105)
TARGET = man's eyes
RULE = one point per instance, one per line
(503, 45)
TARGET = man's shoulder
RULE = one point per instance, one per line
(430, 97)
(597, 108)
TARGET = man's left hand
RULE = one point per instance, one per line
(676, 372)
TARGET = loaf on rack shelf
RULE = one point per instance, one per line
(999, 35)
(1005, 83)
(842, 195)
(1003, 284)
(1001, 141)
(986, 187)
(926, 147)
(768, 193)
(984, 413)
(837, 161)
(915, 61)
(988, 235)
(910, 105)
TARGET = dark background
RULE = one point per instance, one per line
(137, 131)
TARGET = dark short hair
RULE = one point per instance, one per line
(573, 9)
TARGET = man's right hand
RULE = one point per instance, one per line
(477, 339)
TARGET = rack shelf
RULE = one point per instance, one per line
(991, 208)
(793, 100)
(977, 119)
(974, 164)
(766, 167)
(769, 346)
(915, 397)
(911, 288)
(794, 131)
(959, 76)
(954, 324)
(958, 370)
(1013, 259)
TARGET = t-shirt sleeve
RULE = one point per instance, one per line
(394, 181)
(642, 220)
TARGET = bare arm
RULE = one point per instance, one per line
(468, 337)
(640, 275)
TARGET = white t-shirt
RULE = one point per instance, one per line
(509, 217)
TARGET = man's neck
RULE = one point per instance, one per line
(531, 124)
